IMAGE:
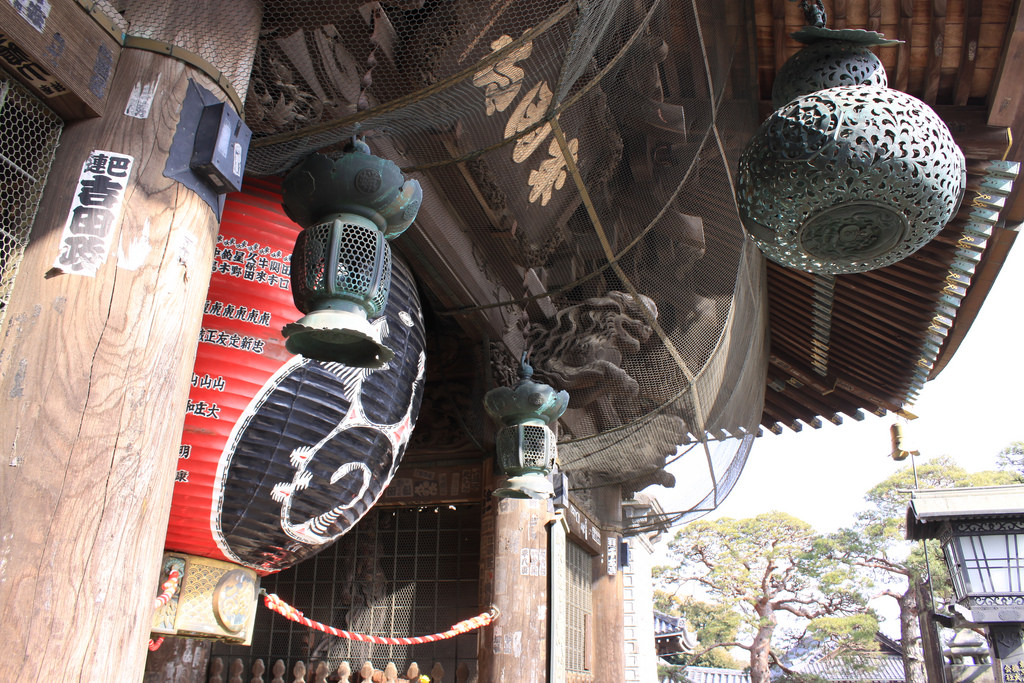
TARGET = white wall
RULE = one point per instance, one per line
(638, 628)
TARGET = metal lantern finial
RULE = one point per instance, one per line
(526, 444)
(847, 175)
(341, 264)
(814, 13)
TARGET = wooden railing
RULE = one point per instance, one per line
(228, 670)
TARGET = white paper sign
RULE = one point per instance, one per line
(34, 12)
(140, 101)
(95, 210)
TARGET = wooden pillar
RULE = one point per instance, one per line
(610, 665)
(514, 648)
(931, 643)
(94, 376)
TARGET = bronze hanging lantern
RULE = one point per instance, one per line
(848, 175)
(830, 59)
(341, 264)
(526, 444)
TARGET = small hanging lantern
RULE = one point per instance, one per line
(341, 264)
(847, 175)
(526, 443)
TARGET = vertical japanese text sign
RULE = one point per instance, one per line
(95, 210)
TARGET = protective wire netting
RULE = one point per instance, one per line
(29, 132)
(584, 151)
(579, 606)
(398, 573)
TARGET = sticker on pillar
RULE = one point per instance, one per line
(34, 12)
(140, 101)
(101, 69)
(95, 211)
(612, 555)
(132, 255)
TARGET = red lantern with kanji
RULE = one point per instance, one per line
(281, 454)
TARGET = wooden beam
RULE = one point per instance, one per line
(96, 371)
(875, 324)
(828, 405)
(912, 291)
(881, 373)
(875, 15)
(1008, 89)
(838, 18)
(877, 296)
(796, 406)
(879, 293)
(937, 43)
(971, 130)
(66, 59)
(905, 33)
(870, 346)
(894, 399)
(779, 33)
(778, 416)
(606, 592)
(518, 532)
(968, 52)
(440, 253)
(871, 400)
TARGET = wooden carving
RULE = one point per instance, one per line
(583, 351)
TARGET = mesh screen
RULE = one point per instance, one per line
(201, 28)
(578, 606)
(586, 149)
(28, 137)
(397, 573)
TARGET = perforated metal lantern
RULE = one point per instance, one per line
(830, 59)
(849, 179)
(526, 445)
(341, 264)
(341, 276)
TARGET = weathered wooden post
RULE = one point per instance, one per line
(95, 363)
(514, 648)
(608, 587)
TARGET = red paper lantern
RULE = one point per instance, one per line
(281, 454)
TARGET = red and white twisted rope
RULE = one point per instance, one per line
(287, 611)
(167, 591)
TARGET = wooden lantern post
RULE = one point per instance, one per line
(514, 648)
(94, 376)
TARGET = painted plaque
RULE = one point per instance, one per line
(282, 455)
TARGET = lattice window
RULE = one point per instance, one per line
(28, 137)
(579, 608)
(397, 573)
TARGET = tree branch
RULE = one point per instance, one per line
(782, 667)
(697, 655)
